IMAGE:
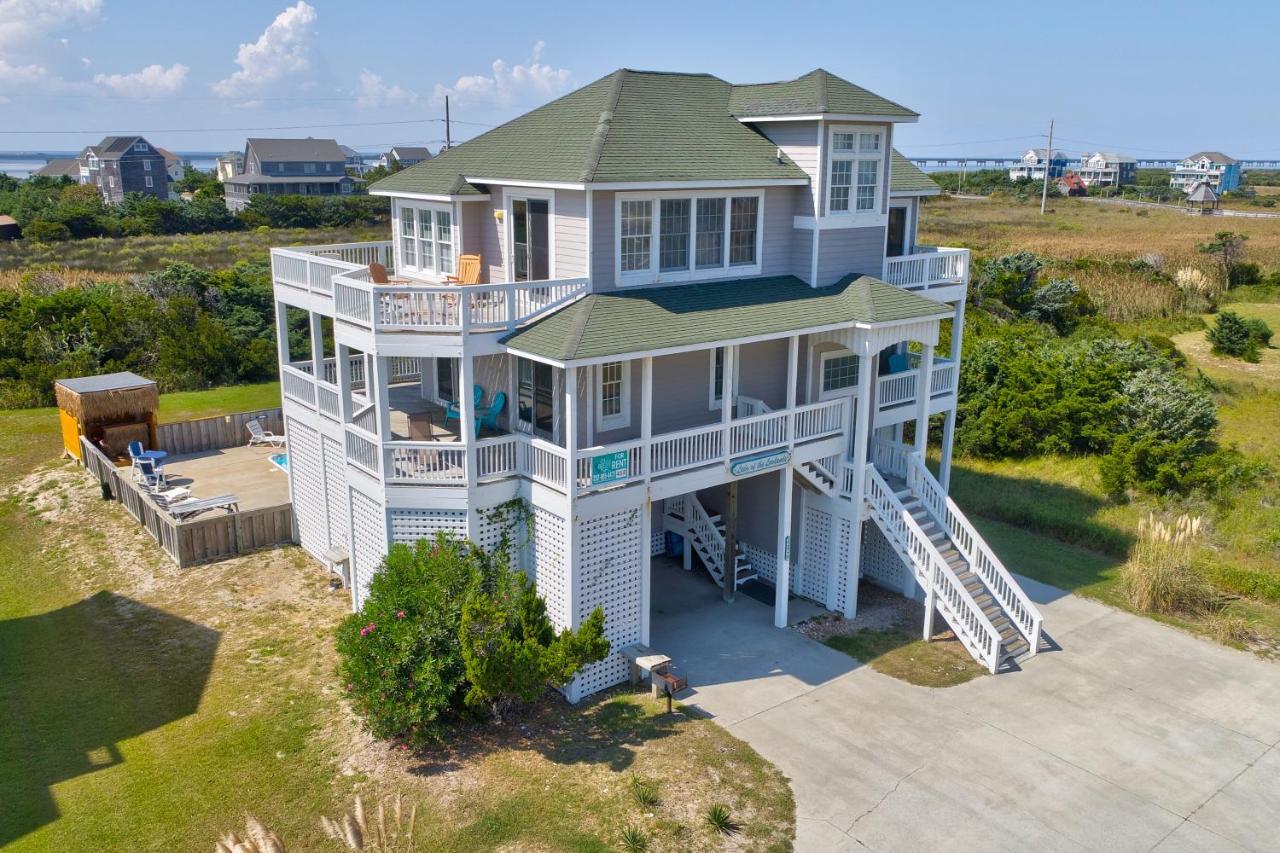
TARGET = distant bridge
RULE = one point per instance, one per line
(973, 163)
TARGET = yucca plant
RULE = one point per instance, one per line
(257, 839)
(634, 840)
(358, 832)
(1159, 576)
(644, 792)
(720, 818)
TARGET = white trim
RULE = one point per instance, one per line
(909, 227)
(693, 185)
(834, 117)
(856, 156)
(622, 420)
(913, 193)
(509, 230)
(839, 221)
(513, 182)
(823, 358)
(428, 196)
(729, 384)
(415, 270)
(653, 275)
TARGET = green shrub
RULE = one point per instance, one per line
(634, 840)
(1259, 331)
(1231, 335)
(44, 231)
(447, 628)
(720, 818)
(644, 792)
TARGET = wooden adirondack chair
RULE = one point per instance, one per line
(378, 273)
(468, 270)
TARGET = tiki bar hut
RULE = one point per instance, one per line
(111, 410)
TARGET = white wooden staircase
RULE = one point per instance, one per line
(704, 534)
(962, 577)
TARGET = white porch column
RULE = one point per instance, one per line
(858, 460)
(467, 411)
(571, 522)
(342, 359)
(924, 387)
(381, 396)
(728, 396)
(315, 324)
(282, 331)
(949, 429)
(646, 518)
(782, 581)
(793, 369)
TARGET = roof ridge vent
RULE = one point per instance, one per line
(596, 149)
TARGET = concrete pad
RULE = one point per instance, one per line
(1134, 736)
(244, 472)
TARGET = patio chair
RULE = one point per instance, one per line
(898, 362)
(378, 273)
(468, 270)
(453, 411)
(192, 507)
(260, 436)
(489, 416)
(148, 474)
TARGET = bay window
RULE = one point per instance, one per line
(688, 236)
(856, 160)
(427, 241)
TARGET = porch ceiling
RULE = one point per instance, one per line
(606, 324)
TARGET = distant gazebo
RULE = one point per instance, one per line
(110, 410)
(1202, 198)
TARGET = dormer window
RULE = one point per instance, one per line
(856, 158)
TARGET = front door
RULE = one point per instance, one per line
(531, 239)
(535, 398)
(897, 232)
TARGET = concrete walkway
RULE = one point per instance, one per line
(1133, 737)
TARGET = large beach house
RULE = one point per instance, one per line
(1220, 172)
(663, 309)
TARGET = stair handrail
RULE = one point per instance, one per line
(700, 522)
(953, 601)
(983, 561)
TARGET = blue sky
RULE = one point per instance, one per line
(985, 77)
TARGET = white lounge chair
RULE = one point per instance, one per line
(194, 506)
(260, 436)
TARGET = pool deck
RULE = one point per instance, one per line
(245, 472)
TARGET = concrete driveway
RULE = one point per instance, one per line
(1133, 737)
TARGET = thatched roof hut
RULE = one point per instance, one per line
(111, 410)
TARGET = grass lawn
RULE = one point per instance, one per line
(943, 662)
(150, 708)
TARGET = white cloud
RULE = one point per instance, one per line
(281, 54)
(510, 84)
(373, 92)
(149, 82)
(27, 25)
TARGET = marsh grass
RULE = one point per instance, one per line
(1160, 575)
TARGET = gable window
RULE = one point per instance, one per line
(139, 146)
(856, 158)
(839, 373)
(613, 395)
(683, 236)
(427, 239)
(309, 168)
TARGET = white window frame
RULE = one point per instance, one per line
(510, 197)
(150, 182)
(432, 273)
(855, 157)
(730, 382)
(622, 420)
(146, 165)
(833, 394)
(653, 275)
(308, 168)
(140, 146)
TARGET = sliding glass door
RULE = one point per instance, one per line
(531, 239)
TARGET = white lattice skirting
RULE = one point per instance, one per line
(610, 572)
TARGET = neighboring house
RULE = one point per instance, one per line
(290, 167)
(1220, 172)
(1107, 169)
(404, 156)
(124, 164)
(1072, 184)
(9, 228)
(229, 165)
(1034, 162)
(173, 165)
(355, 160)
(693, 295)
(68, 167)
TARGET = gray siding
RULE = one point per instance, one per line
(681, 383)
(472, 219)
(602, 239)
(570, 234)
(775, 247)
(491, 240)
(850, 250)
(802, 254)
(762, 371)
(799, 141)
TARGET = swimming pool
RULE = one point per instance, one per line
(280, 460)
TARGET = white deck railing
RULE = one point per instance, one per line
(928, 267)
(313, 268)
(899, 389)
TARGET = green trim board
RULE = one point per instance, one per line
(657, 318)
(634, 126)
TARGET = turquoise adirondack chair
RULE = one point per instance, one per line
(489, 417)
(453, 411)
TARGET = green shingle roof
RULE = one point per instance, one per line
(637, 126)
(905, 176)
(605, 324)
(816, 92)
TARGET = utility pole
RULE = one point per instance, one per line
(1044, 191)
(448, 134)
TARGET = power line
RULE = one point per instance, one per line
(245, 129)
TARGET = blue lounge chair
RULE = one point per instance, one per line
(453, 412)
(489, 417)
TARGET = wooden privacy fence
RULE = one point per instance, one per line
(200, 540)
(215, 433)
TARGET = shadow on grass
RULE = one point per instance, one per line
(77, 681)
(607, 729)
